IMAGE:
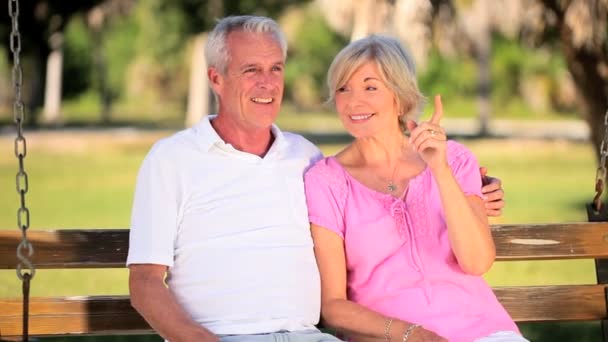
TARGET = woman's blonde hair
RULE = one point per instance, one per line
(396, 68)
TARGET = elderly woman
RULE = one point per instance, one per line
(400, 232)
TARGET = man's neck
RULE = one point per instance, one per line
(254, 141)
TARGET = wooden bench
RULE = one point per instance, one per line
(113, 315)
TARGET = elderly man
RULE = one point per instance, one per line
(220, 246)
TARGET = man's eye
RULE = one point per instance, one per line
(250, 70)
(277, 68)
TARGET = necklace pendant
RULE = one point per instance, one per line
(392, 187)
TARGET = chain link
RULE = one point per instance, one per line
(25, 249)
(600, 177)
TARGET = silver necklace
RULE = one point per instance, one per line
(392, 187)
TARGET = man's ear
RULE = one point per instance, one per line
(215, 78)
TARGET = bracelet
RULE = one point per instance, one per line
(408, 332)
(387, 329)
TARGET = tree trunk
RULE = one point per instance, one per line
(361, 20)
(33, 87)
(99, 61)
(592, 90)
(200, 98)
(476, 22)
(96, 20)
(484, 85)
(586, 68)
(52, 91)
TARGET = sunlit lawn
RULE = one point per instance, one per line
(85, 180)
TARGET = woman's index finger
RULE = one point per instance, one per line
(438, 113)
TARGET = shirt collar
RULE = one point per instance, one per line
(207, 137)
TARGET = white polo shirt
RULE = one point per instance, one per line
(232, 228)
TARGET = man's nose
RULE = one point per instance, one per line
(266, 79)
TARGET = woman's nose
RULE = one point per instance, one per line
(354, 97)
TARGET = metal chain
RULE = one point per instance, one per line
(600, 177)
(25, 249)
(23, 213)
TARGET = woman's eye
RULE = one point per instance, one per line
(371, 88)
(341, 89)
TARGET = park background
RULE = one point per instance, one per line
(523, 84)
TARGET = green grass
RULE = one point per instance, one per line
(148, 111)
(80, 180)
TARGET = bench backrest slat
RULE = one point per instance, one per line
(554, 302)
(107, 248)
(551, 241)
(100, 315)
(93, 248)
(73, 315)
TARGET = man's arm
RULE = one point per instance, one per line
(493, 193)
(155, 302)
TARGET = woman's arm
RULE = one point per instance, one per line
(468, 229)
(352, 319)
(467, 223)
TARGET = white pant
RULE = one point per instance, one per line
(293, 336)
(502, 336)
(317, 336)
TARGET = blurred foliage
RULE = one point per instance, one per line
(164, 32)
(146, 54)
(513, 63)
(5, 87)
(77, 56)
(119, 50)
(269, 8)
(155, 71)
(38, 20)
(526, 81)
(452, 77)
(145, 49)
(313, 45)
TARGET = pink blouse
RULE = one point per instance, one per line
(398, 256)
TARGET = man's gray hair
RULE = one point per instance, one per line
(216, 50)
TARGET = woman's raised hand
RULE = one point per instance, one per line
(429, 138)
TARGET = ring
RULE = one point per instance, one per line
(432, 132)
